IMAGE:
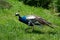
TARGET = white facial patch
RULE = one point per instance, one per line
(17, 13)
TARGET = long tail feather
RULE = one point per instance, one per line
(53, 26)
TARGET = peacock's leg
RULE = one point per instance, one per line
(32, 28)
(27, 29)
(30, 24)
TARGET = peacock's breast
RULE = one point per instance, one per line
(23, 19)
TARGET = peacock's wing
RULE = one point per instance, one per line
(29, 17)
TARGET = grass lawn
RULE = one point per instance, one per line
(12, 29)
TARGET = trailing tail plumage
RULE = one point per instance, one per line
(44, 22)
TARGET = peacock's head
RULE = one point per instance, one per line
(17, 14)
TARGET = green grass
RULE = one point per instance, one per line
(12, 29)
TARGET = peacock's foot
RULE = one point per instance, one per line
(29, 30)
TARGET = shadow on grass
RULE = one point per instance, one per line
(52, 33)
(40, 32)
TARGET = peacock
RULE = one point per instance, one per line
(32, 20)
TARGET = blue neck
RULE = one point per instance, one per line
(23, 19)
